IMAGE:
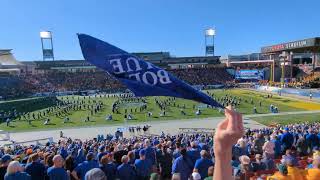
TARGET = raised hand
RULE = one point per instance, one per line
(227, 134)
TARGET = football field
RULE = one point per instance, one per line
(175, 109)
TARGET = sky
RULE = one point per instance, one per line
(176, 26)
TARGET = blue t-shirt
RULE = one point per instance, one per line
(151, 154)
(63, 152)
(136, 153)
(194, 154)
(203, 165)
(126, 172)
(277, 146)
(86, 166)
(312, 140)
(57, 173)
(182, 166)
(17, 176)
(143, 167)
(36, 170)
(110, 170)
(287, 139)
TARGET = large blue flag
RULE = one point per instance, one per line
(141, 77)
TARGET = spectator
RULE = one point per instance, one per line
(84, 167)
(268, 161)
(108, 167)
(302, 146)
(57, 172)
(165, 163)
(258, 143)
(277, 146)
(202, 165)
(194, 152)
(286, 140)
(210, 173)
(258, 165)
(294, 172)
(69, 165)
(282, 174)
(314, 172)
(95, 174)
(119, 153)
(102, 152)
(15, 172)
(268, 148)
(125, 171)
(312, 139)
(291, 155)
(5, 160)
(182, 165)
(143, 166)
(150, 152)
(176, 152)
(35, 169)
(131, 157)
(245, 166)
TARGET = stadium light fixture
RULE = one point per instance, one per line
(210, 32)
(45, 34)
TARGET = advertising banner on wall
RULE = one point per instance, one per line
(246, 74)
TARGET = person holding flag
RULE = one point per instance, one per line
(141, 77)
(146, 79)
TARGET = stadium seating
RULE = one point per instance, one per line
(56, 81)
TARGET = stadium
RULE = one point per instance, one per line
(153, 115)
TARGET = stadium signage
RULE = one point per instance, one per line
(289, 46)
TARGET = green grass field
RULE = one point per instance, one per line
(77, 117)
(288, 119)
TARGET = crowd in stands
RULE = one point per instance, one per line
(75, 81)
(209, 76)
(82, 81)
(313, 80)
(281, 152)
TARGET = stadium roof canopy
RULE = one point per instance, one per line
(311, 44)
(7, 59)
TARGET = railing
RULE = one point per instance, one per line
(37, 141)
